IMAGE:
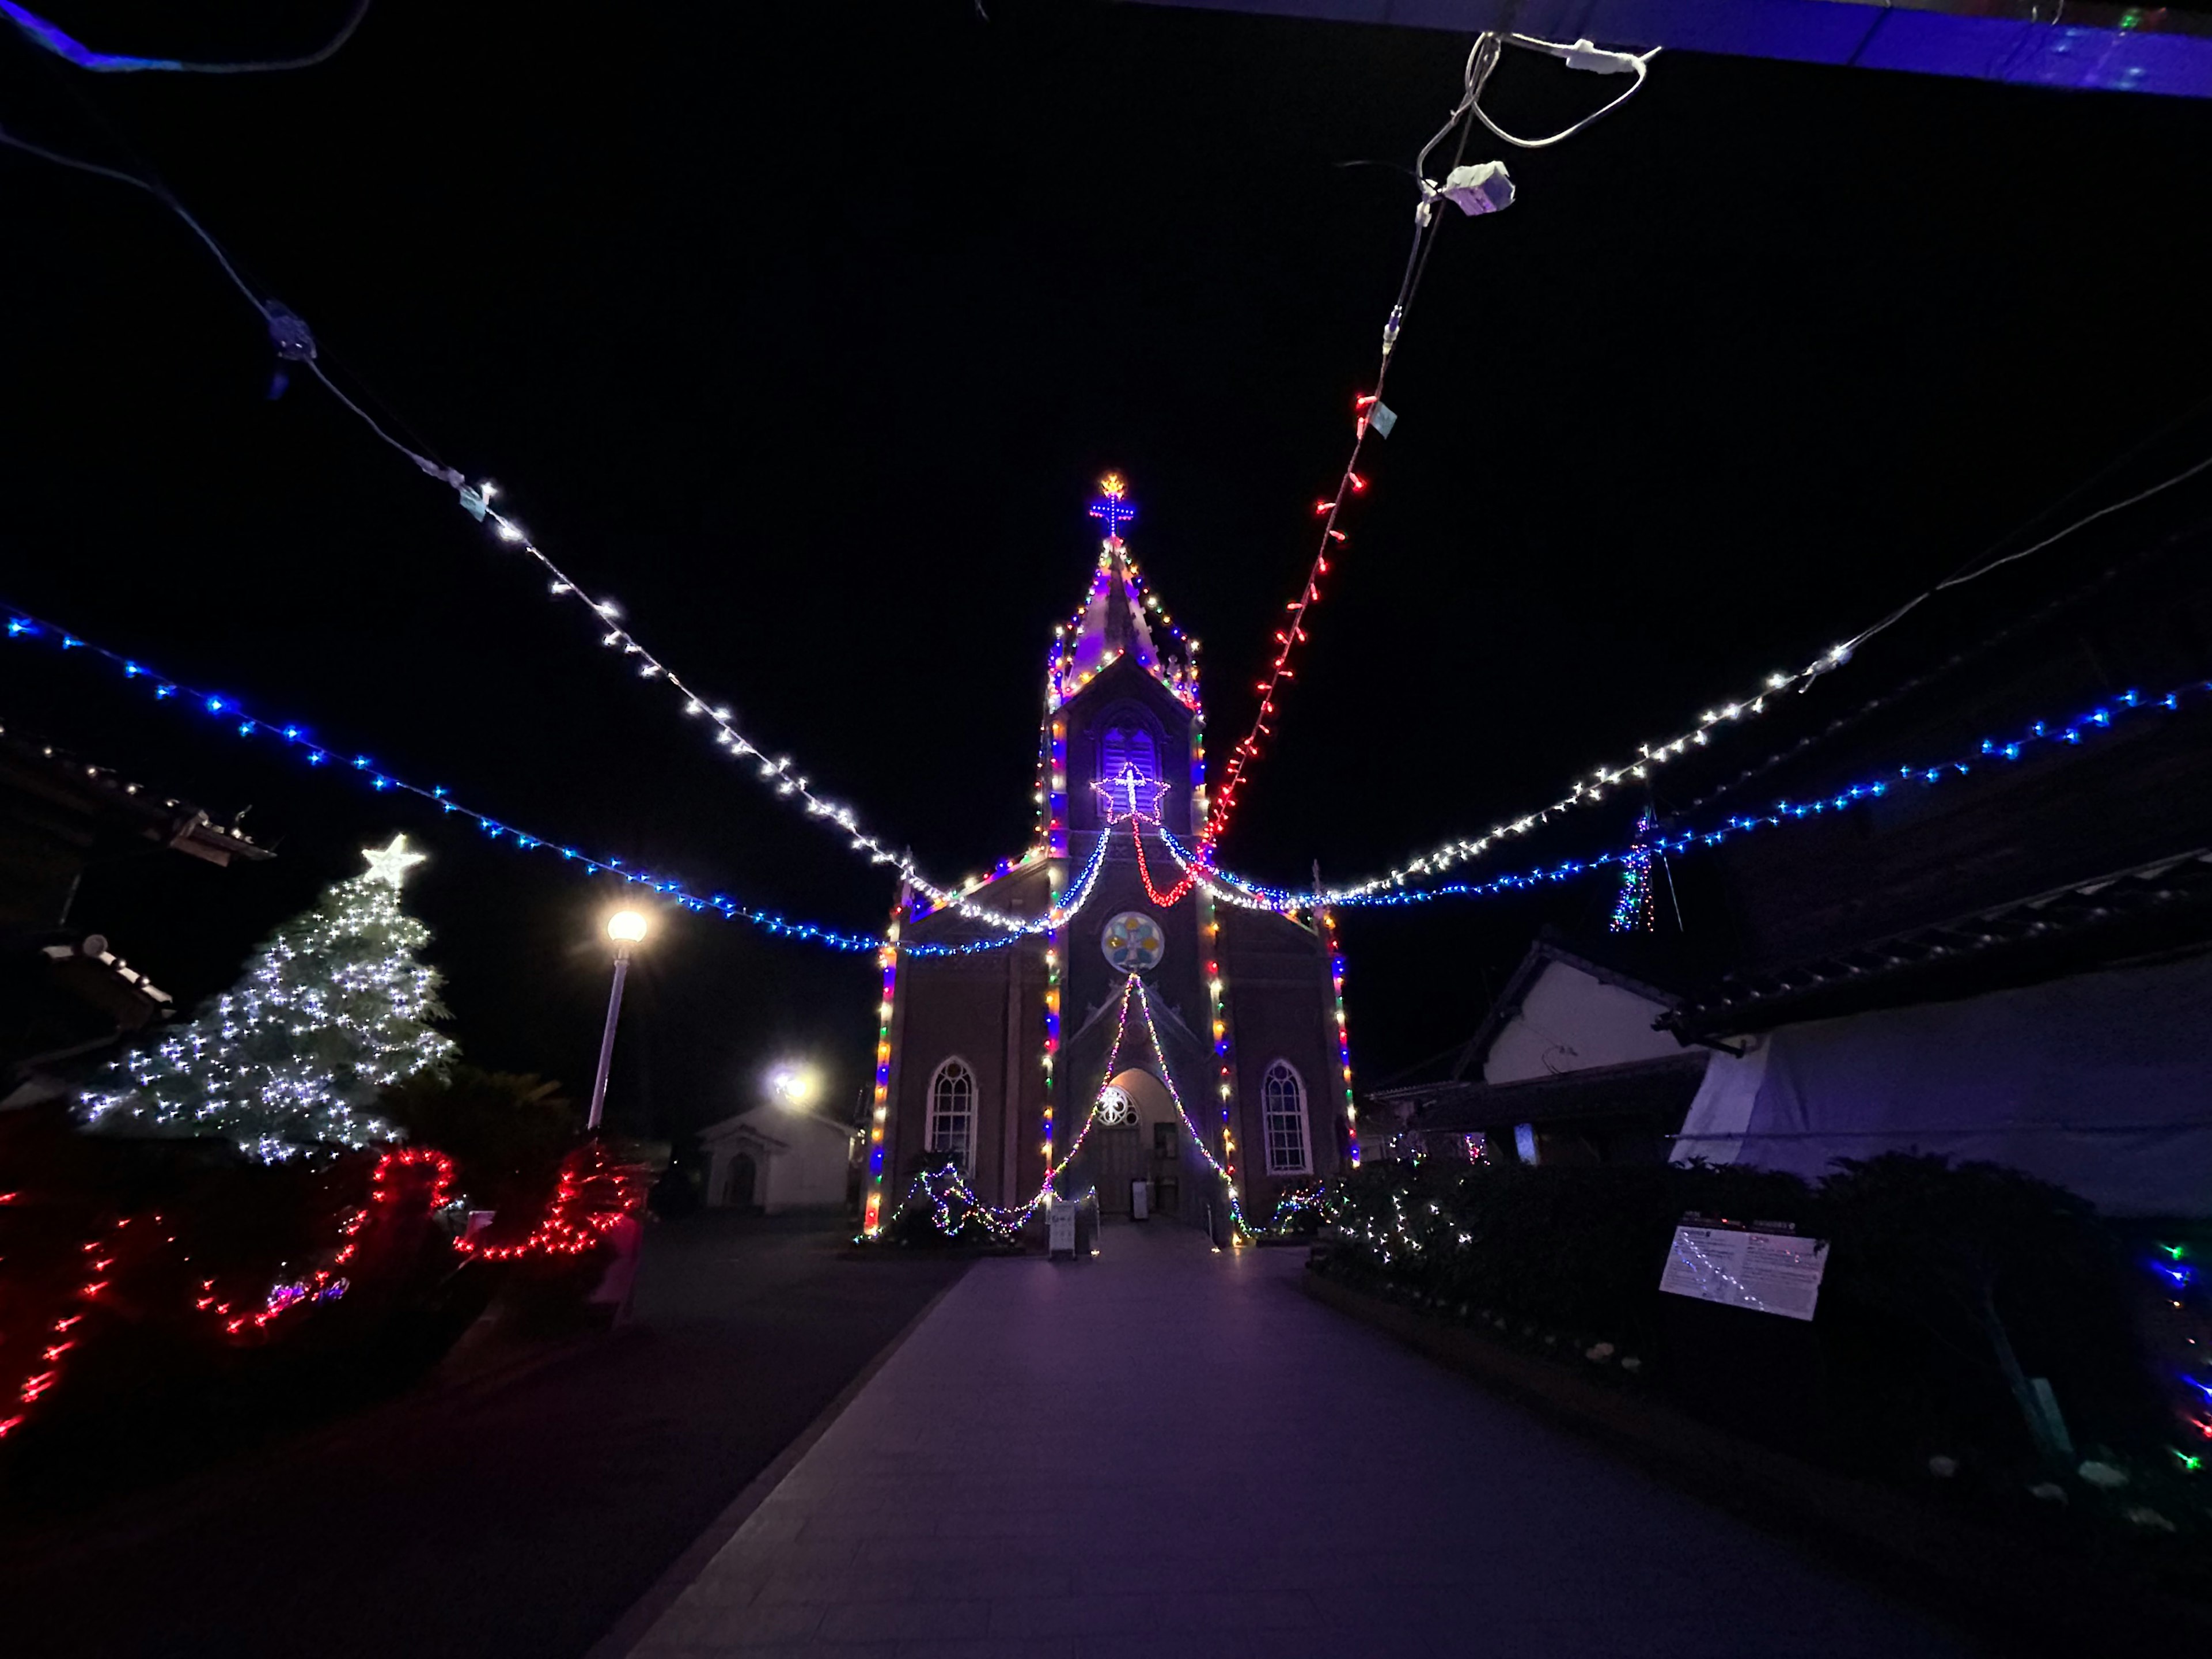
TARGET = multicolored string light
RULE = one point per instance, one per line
(1225, 1166)
(1327, 922)
(1631, 910)
(880, 1107)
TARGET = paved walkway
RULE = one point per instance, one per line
(1166, 1452)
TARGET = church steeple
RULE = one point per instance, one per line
(1113, 621)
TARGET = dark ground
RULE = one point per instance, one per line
(519, 1518)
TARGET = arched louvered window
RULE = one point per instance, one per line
(1283, 1098)
(952, 1113)
(1127, 753)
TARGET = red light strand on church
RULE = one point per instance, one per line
(1173, 895)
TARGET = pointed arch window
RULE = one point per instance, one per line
(1127, 752)
(1283, 1094)
(953, 1112)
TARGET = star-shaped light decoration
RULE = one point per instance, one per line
(390, 863)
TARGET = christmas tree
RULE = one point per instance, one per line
(332, 1009)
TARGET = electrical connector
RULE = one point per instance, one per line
(1479, 187)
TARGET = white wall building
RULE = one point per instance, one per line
(773, 1159)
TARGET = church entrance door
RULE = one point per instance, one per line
(1122, 1159)
(737, 1188)
(1127, 1147)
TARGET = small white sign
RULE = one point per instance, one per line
(1768, 1272)
(1060, 1229)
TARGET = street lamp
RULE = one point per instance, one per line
(626, 928)
(794, 1084)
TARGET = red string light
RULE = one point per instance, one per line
(592, 1195)
(1144, 870)
(51, 1357)
(1329, 509)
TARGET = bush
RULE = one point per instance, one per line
(506, 1132)
(1947, 1287)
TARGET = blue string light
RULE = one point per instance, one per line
(23, 626)
(2102, 718)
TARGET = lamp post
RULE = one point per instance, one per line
(625, 928)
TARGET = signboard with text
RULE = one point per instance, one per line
(1767, 1268)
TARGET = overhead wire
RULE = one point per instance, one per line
(295, 342)
(44, 33)
(1482, 61)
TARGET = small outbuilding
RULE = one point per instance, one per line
(773, 1159)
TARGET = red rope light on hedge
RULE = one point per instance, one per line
(593, 1196)
(100, 1253)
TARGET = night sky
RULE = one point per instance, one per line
(805, 331)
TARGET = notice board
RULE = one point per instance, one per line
(1772, 1271)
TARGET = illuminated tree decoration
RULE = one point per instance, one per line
(1632, 911)
(333, 1008)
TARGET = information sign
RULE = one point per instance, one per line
(1776, 1273)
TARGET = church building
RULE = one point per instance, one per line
(1143, 1027)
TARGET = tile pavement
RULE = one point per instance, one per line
(1165, 1452)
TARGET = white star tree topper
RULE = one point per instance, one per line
(392, 863)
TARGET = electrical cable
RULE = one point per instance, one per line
(295, 342)
(45, 34)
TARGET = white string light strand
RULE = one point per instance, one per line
(1714, 720)
(2035, 737)
(295, 342)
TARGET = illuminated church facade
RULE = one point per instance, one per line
(1222, 1071)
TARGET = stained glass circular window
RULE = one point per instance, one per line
(1114, 1106)
(1133, 942)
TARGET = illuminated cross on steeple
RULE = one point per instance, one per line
(1114, 505)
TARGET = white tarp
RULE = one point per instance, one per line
(2101, 1083)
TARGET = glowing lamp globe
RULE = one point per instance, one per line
(626, 926)
(794, 1084)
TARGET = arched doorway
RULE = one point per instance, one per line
(1139, 1137)
(739, 1184)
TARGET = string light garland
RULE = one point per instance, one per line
(46, 1356)
(297, 742)
(1007, 1222)
(777, 772)
(1225, 1167)
(1217, 1008)
(1327, 922)
(2035, 736)
(1632, 911)
(594, 1191)
(592, 1194)
(1477, 191)
(880, 1106)
(295, 342)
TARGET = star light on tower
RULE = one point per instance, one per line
(1112, 506)
(390, 864)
